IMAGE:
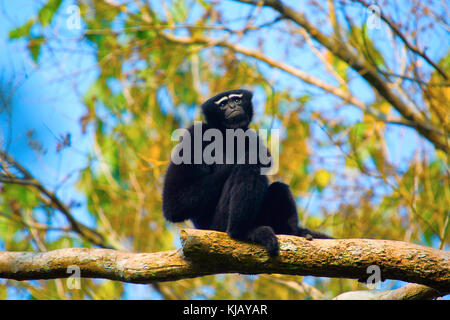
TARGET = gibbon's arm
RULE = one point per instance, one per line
(191, 189)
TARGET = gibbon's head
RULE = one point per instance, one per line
(229, 110)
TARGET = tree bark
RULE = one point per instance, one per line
(206, 252)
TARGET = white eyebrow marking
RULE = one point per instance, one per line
(221, 99)
(235, 95)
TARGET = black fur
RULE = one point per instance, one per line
(235, 198)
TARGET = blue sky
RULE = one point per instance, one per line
(44, 100)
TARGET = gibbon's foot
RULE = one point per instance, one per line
(265, 236)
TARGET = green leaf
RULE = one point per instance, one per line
(21, 31)
(35, 47)
(358, 132)
(360, 39)
(47, 12)
(179, 11)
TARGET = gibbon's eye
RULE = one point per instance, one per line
(236, 100)
(223, 103)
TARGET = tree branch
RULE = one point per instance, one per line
(207, 252)
(408, 44)
(345, 95)
(411, 291)
(304, 76)
(28, 180)
(343, 52)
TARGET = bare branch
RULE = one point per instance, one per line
(344, 95)
(28, 180)
(341, 50)
(408, 44)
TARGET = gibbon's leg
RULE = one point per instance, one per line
(281, 210)
(239, 208)
(241, 199)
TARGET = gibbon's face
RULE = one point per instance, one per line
(229, 110)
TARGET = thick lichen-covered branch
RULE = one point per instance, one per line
(209, 252)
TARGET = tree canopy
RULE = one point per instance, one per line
(360, 93)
